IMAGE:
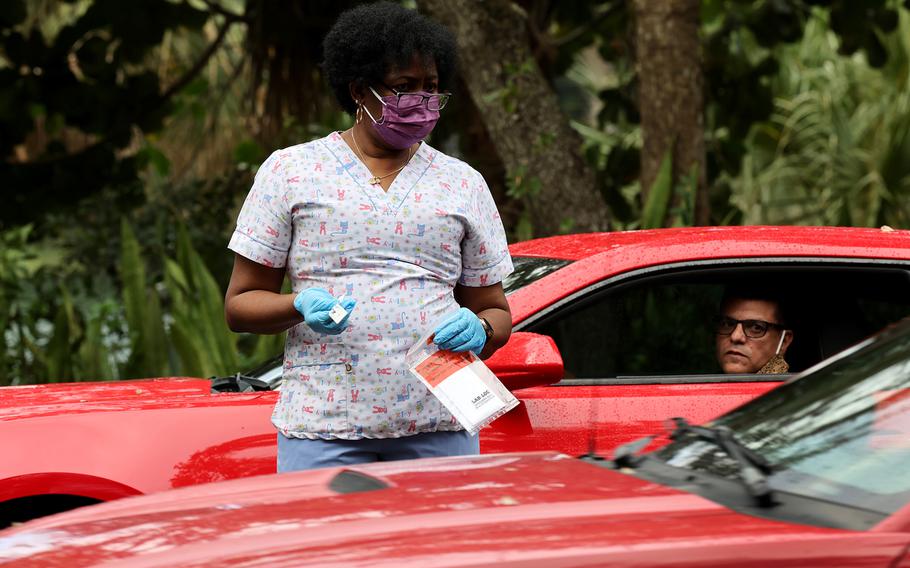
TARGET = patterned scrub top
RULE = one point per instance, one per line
(398, 253)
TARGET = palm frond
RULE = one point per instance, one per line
(839, 135)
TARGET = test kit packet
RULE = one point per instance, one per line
(461, 382)
(338, 312)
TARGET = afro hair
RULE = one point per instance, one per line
(368, 41)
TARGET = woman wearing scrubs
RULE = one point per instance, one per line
(384, 240)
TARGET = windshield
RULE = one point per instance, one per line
(841, 433)
(270, 371)
(530, 269)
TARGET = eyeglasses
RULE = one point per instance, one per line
(432, 101)
(752, 328)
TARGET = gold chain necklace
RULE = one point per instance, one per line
(375, 180)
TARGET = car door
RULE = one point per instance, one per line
(638, 348)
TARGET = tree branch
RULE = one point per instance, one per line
(599, 16)
(212, 116)
(216, 8)
(200, 63)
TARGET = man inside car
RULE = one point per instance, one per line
(752, 335)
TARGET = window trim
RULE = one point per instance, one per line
(557, 265)
(619, 281)
(675, 380)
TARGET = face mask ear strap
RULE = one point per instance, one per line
(384, 104)
(781, 342)
(377, 95)
(366, 110)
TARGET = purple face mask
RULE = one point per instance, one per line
(399, 127)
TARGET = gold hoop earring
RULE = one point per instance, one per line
(358, 116)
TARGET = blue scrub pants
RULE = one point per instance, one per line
(296, 454)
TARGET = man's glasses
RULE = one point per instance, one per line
(405, 101)
(752, 328)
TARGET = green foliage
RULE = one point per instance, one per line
(655, 209)
(89, 77)
(614, 153)
(201, 337)
(22, 287)
(150, 156)
(59, 358)
(148, 350)
(683, 215)
(167, 325)
(837, 148)
(740, 59)
(524, 188)
(507, 95)
(831, 145)
(249, 152)
(96, 359)
(670, 202)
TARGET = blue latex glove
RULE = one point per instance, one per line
(460, 331)
(314, 304)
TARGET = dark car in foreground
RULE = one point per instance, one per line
(813, 473)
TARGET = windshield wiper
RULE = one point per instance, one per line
(238, 383)
(753, 468)
(627, 455)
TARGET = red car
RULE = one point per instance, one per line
(810, 474)
(613, 333)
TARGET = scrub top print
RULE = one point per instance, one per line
(399, 253)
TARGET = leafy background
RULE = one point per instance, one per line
(130, 137)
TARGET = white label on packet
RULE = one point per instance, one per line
(338, 312)
(461, 381)
(473, 395)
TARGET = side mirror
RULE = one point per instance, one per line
(527, 360)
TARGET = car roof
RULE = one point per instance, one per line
(597, 256)
(736, 240)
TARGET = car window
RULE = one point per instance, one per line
(651, 330)
(662, 324)
(529, 269)
(270, 371)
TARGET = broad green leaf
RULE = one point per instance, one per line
(132, 276)
(94, 357)
(192, 352)
(176, 281)
(149, 354)
(211, 301)
(249, 152)
(59, 350)
(655, 209)
(155, 354)
(185, 253)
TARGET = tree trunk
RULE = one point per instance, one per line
(670, 96)
(541, 153)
